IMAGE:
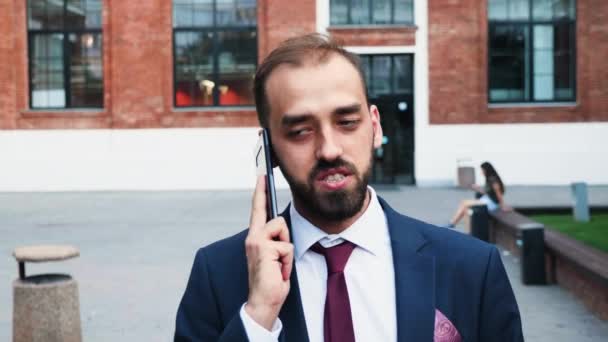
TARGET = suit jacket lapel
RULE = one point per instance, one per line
(414, 286)
(414, 279)
(292, 313)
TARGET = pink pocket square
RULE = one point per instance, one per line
(445, 331)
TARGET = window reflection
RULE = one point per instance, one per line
(381, 75)
(46, 61)
(65, 53)
(86, 74)
(339, 12)
(509, 63)
(381, 12)
(404, 11)
(237, 67)
(368, 12)
(214, 63)
(387, 74)
(531, 50)
(194, 69)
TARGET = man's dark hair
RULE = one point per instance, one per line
(314, 47)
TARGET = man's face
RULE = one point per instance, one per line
(323, 135)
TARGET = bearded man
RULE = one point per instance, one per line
(338, 265)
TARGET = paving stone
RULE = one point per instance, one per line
(137, 249)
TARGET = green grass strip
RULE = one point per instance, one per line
(593, 233)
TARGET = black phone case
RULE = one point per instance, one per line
(271, 195)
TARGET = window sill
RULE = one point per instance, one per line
(371, 27)
(532, 104)
(63, 112)
(214, 109)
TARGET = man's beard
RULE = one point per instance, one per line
(332, 206)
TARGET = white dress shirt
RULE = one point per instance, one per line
(369, 273)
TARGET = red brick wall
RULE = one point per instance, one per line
(138, 65)
(456, 81)
(279, 20)
(593, 53)
(458, 74)
(140, 43)
(381, 36)
(588, 288)
(7, 69)
(138, 68)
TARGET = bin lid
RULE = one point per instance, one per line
(43, 253)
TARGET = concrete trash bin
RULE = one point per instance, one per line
(465, 175)
(45, 306)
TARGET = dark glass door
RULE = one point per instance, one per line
(390, 83)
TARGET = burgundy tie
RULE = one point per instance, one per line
(337, 322)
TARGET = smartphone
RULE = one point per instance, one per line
(263, 163)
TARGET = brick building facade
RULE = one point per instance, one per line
(447, 40)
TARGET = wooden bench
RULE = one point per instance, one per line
(581, 269)
(593, 261)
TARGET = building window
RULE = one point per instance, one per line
(532, 50)
(65, 53)
(215, 52)
(387, 74)
(368, 12)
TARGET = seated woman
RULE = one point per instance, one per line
(492, 195)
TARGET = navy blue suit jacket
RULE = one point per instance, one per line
(435, 268)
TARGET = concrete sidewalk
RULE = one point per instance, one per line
(137, 249)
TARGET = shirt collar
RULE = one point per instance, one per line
(369, 232)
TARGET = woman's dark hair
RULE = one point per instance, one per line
(491, 174)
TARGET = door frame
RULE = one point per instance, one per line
(392, 51)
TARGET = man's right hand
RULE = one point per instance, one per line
(269, 261)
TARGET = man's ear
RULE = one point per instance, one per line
(376, 126)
